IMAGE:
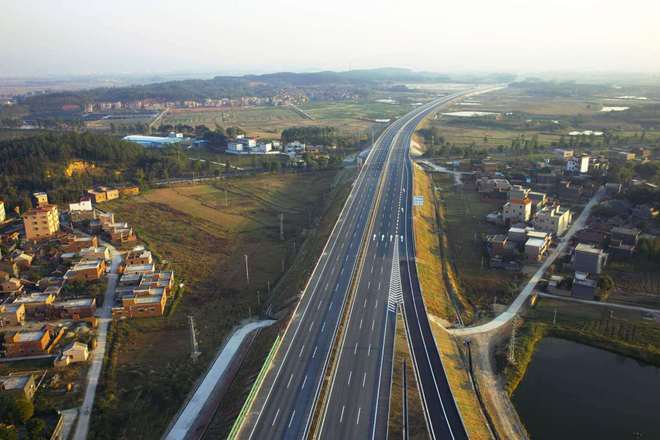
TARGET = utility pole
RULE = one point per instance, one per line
(282, 226)
(247, 270)
(193, 340)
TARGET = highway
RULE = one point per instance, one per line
(372, 231)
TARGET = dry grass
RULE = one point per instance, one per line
(461, 386)
(429, 263)
(204, 242)
(430, 267)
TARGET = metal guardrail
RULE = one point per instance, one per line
(233, 433)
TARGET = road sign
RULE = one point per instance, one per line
(418, 200)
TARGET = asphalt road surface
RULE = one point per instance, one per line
(375, 219)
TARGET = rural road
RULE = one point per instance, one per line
(104, 316)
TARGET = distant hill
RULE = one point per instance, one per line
(247, 85)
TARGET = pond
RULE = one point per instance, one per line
(573, 391)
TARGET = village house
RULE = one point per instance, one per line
(75, 309)
(76, 244)
(589, 259)
(553, 219)
(563, 154)
(95, 253)
(138, 256)
(488, 186)
(36, 303)
(537, 245)
(32, 343)
(577, 164)
(86, 270)
(72, 353)
(22, 259)
(142, 303)
(12, 315)
(10, 285)
(40, 199)
(629, 236)
(519, 206)
(20, 386)
(103, 194)
(128, 191)
(84, 205)
(41, 222)
(497, 244)
(584, 286)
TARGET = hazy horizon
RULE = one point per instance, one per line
(256, 36)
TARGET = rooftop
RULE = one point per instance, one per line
(81, 302)
(28, 336)
(587, 248)
(535, 242)
(15, 382)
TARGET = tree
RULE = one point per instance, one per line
(37, 429)
(605, 286)
(14, 411)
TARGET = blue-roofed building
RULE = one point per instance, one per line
(155, 141)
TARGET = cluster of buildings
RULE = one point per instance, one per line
(245, 145)
(142, 291)
(34, 313)
(282, 98)
(533, 221)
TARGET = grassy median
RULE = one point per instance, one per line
(434, 283)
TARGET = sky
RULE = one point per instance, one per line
(83, 37)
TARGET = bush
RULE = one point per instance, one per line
(37, 429)
(8, 433)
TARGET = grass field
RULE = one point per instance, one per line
(350, 118)
(464, 213)
(193, 231)
(355, 110)
(429, 262)
(547, 117)
(257, 121)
